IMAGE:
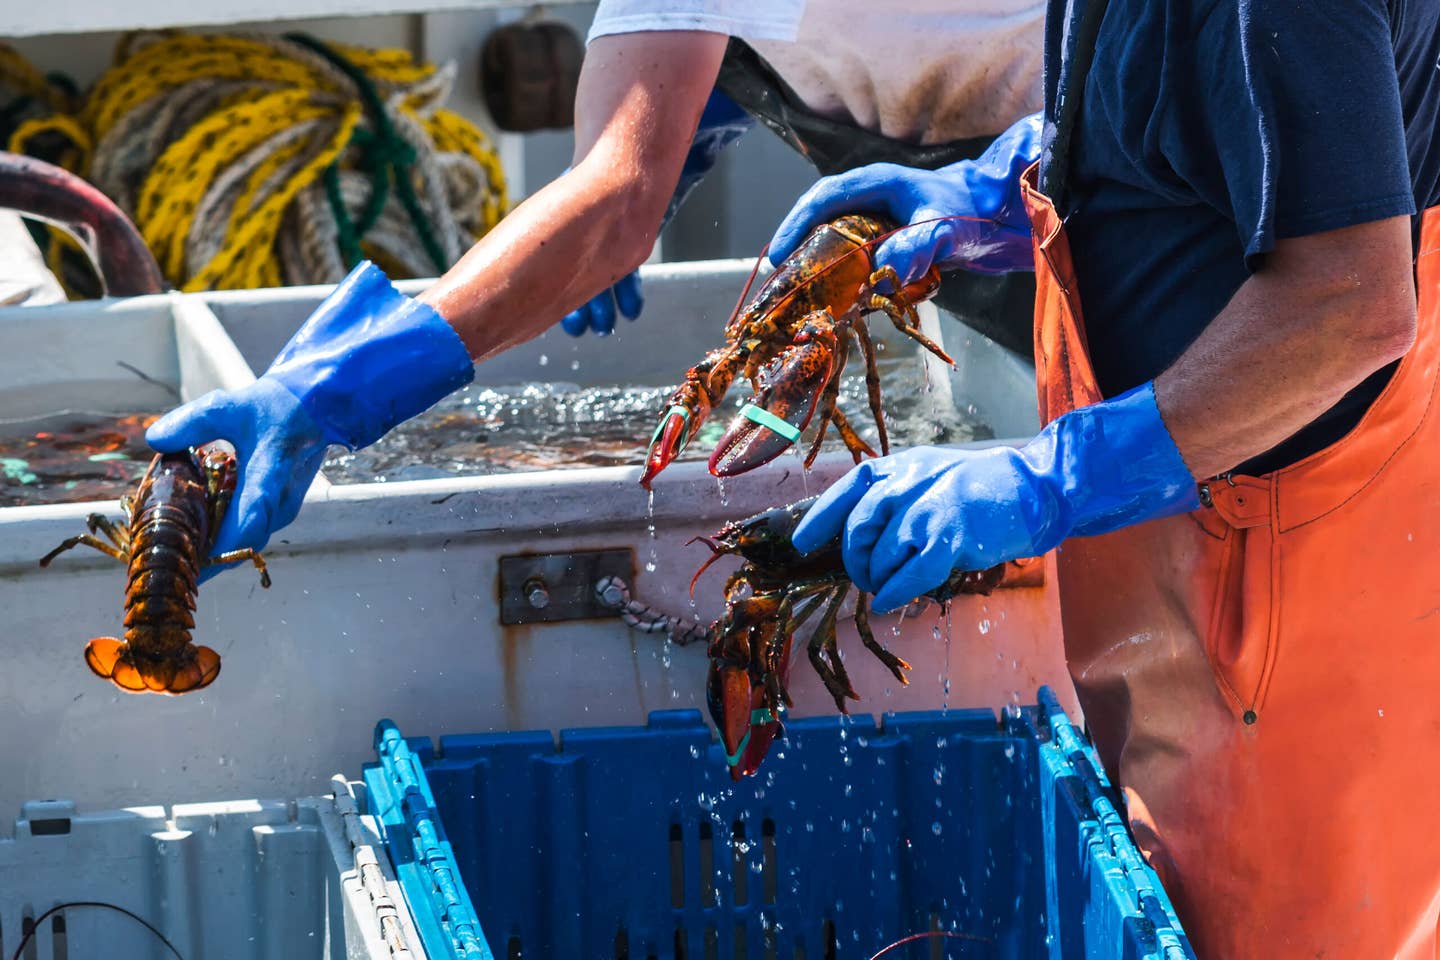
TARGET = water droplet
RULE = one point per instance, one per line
(935, 828)
(574, 364)
(1009, 751)
(650, 566)
(544, 359)
(984, 626)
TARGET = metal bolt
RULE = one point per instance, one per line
(612, 591)
(536, 593)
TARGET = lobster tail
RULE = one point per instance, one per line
(116, 661)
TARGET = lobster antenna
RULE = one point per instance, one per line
(749, 282)
(715, 554)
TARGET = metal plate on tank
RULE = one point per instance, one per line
(553, 587)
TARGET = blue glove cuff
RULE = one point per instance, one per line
(994, 176)
(992, 182)
(1104, 467)
(370, 358)
(721, 123)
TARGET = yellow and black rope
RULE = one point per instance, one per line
(252, 161)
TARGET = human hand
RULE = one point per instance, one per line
(599, 314)
(908, 520)
(367, 359)
(968, 214)
(278, 450)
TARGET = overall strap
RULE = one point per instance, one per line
(1055, 171)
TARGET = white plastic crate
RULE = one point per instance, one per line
(238, 880)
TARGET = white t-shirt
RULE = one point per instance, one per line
(923, 71)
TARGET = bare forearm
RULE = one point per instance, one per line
(544, 260)
(1323, 314)
(639, 102)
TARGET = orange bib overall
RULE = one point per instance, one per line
(1259, 675)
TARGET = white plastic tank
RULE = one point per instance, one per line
(387, 596)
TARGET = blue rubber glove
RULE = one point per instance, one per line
(367, 359)
(599, 313)
(987, 189)
(721, 123)
(911, 518)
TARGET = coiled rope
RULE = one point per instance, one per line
(257, 161)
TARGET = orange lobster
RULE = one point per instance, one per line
(172, 521)
(791, 342)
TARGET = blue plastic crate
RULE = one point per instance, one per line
(633, 842)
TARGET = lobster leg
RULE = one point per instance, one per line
(900, 311)
(118, 535)
(819, 438)
(235, 556)
(88, 540)
(832, 647)
(872, 384)
(822, 641)
(858, 448)
(830, 396)
(867, 637)
(790, 623)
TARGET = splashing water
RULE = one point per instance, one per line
(945, 696)
(540, 426)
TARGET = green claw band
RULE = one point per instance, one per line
(767, 419)
(757, 716)
(660, 427)
(733, 759)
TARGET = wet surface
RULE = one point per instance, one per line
(541, 426)
(72, 457)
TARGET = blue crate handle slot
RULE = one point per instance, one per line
(400, 798)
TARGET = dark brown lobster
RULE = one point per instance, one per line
(172, 521)
(775, 591)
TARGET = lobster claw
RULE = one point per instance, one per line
(745, 689)
(791, 388)
(685, 411)
(746, 723)
(670, 438)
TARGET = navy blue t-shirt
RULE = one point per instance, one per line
(1210, 129)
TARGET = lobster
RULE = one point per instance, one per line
(791, 342)
(768, 599)
(171, 524)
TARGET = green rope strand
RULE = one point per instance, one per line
(386, 154)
